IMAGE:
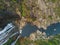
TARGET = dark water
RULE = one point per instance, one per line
(28, 29)
(53, 29)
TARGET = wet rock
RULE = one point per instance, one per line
(32, 36)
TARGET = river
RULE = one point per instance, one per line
(53, 29)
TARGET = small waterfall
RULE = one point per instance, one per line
(7, 32)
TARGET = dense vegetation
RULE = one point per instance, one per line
(53, 41)
(32, 11)
(12, 39)
(26, 41)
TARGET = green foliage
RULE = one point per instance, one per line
(57, 11)
(2, 5)
(33, 19)
(23, 10)
(9, 41)
(13, 0)
(23, 42)
(50, 16)
(18, 43)
(54, 41)
(12, 39)
(52, 1)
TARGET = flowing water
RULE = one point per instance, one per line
(51, 30)
(9, 31)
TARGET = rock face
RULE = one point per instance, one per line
(44, 11)
(32, 36)
(38, 35)
(6, 17)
